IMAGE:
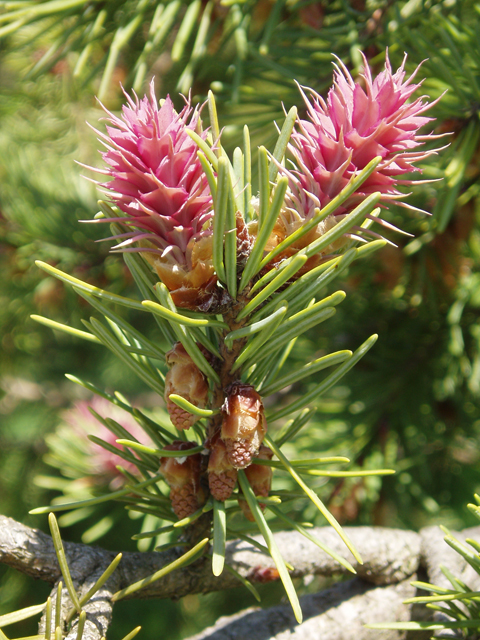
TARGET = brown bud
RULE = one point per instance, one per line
(185, 379)
(260, 479)
(244, 425)
(222, 477)
(183, 477)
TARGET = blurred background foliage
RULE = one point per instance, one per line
(412, 404)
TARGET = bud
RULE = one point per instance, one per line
(260, 479)
(182, 474)
(244, 425)
(222, 476)
(185, 379)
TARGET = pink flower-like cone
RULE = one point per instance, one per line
(244, 425)
(341, 136)
(222, 476)
(185, 379)
(260, 479)
(182, 474)
(158, 182)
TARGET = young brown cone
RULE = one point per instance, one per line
(183, 477)
(260, 479)
(222, 477)
(244, 425)
(185, 379)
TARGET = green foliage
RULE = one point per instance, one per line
(413, 404)
(259, 343)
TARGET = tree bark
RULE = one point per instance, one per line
(391, 557)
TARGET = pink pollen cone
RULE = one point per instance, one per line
(342, 135)
(158, 182)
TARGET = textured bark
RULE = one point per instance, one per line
(339, 613)
(436, 554)
(390, 556)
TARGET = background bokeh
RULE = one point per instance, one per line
(412, 403)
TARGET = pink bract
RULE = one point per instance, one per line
(158, 182)
(348, 130)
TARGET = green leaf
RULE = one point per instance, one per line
(191, 408)
(247, 173)
(62, 561)
(294, 265)
(185, 31)
(246, 583)
(160, 453)
(183, 561)
(315, 499)
(269, 218)
(77, 333)
(132, 633)
(472, 558)
(271, 544)
(144, 373)
(263, 186)
(189, 519)
(220, 207)
(203, 146)
(185, 81)
(214, 124)
(312, 538)
(21, 614)
(81, 624)
(305, 462)
(123, 324)
(347, 474)
(326, 384)
(245, 538)
(84, 286)
(312, 367)
(219, 537)
(311, 283)
(290, 330)
(120, 40)
(293, 426)
(114, 495)
(173, 316)
(329, 209)
(231, 244)
(252, 348)
(58, 608)
(48, 619)
(142, 465)
(282, 142)
(185, 338)
(207, 169)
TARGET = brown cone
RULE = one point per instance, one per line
(183, 477)
(185, 379)
(260, 479)
(222, 477)
(244, 425)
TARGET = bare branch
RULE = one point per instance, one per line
(389, 556)
(339, 613)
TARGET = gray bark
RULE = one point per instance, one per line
(390, 556)
(338, 613)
